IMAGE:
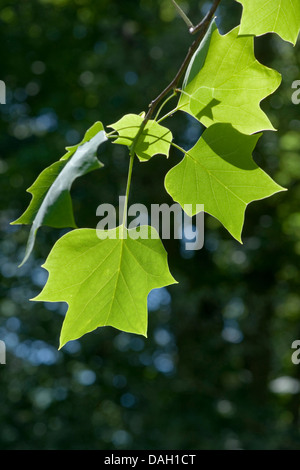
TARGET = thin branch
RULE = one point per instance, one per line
(208, 17)
(178, 148)
(201, 28)
(163, 105)
(124, 221)
(183, 16)
(170, 113)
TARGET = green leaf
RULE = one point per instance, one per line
(51, 201)
(105, 281)
(230, 85)
(155, 139)
(197, 61)
(277, 16)
(220, 173)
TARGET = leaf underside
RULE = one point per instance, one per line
(51, 201)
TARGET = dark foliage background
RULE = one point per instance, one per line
(216, 369)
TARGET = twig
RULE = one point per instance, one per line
(201, 28)
(183, 16)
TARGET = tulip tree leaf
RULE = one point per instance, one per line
(51, 201)
(190, 83)
(155, 139)
(105, 280)
(230, 85)
(220, 173)
(271, 16)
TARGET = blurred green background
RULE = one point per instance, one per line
(216, 369)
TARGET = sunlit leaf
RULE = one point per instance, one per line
(271, 16)
(155, 139)
(230, 84)
(105, 281)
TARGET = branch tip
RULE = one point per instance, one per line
(183, 15)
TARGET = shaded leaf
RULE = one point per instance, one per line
(220, 173)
